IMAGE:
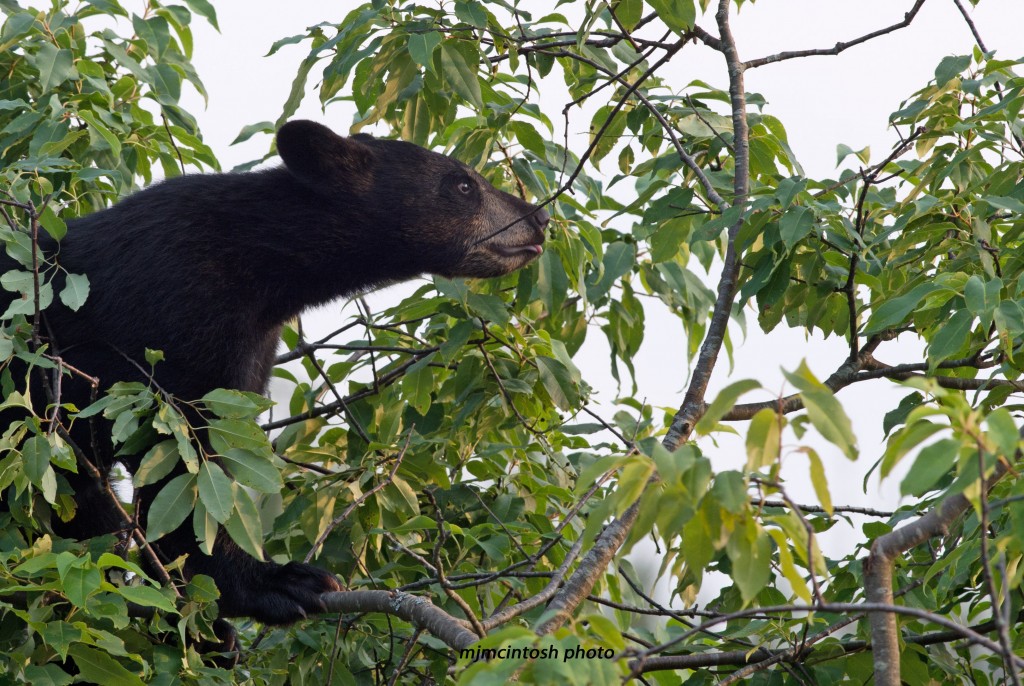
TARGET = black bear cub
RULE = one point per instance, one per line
(207, 268)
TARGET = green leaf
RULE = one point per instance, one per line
(75, 291)
(558, 382)
(205, 528)
(97, 667)
(824, 411)
(1007, 203)
(843, 151)
(204, 9)
(157, 463)
(251, 130)
(893, 312)
(35, 453)
(904, 440)
(80, 581)
(668, 239)
(629, 12)
(147, 596)
(678, 15)
(60, 636)
(421, 47)
(951, 337)
(750, 550)
(471, 12)
(18, 281)
(934, 463)
(722, 403)
(415, 523)
(489, 307)
(166, 83)
(215, 491)
(610, 131)
(244, 525)
(619, 258)
(818, 480)
(252, 470)
(226, 434)
(982, 297)
(763, 439)
(53, 224)
(108, 560)
(528, 137)
(950, 67)
(1004, 432)
(730, 491)
(795, 225)
(171, 505)
(48, 674)
(460, 75)
(417, 386)
(54, 66)
(231, 404)
(789, 570)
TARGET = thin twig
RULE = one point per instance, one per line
(360, 500)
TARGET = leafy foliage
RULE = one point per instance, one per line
(448, 445)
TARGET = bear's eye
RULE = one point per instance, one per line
(465, 187)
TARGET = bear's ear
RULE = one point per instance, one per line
(317, 155)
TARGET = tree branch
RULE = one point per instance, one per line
(838, 47)
(746, 657)
(693, 403)
(597, 559)
(418, 611)
(878, 571)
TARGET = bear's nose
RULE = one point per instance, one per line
(540, 218)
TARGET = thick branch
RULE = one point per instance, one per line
(590, 569)
(693, 403)
(878, 572)
(597, 559)
(418, 611)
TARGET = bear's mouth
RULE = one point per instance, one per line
(530, 250)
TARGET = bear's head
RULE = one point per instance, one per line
(439, 213)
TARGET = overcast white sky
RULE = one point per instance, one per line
(822, 101)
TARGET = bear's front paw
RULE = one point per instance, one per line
(291, 592)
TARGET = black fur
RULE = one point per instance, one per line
(207, 268)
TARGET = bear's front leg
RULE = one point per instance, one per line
(268, 592)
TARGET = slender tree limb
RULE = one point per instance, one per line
(410, 650)
(666, 126)
(360, 500)
(981, 44)
(630, 90)
(442, 536)
(838, 47)
(873, 608)
(818, 509)
(335, 407)
(867, 368)
(698, 660)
